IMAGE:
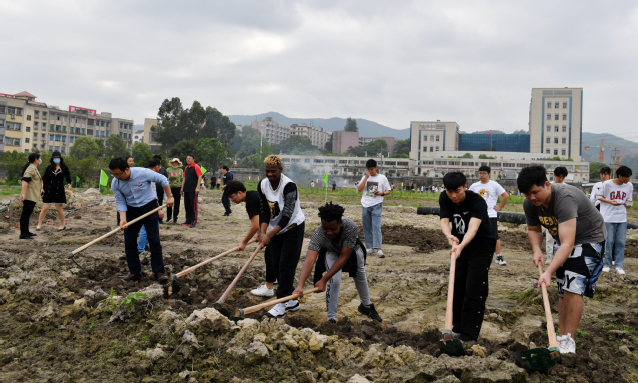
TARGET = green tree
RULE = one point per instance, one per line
(85, 147)
(295, 145)
(594, 170)
(212, 153)
(218, 126)
(351, 125)
(183, 149)
(371, 149)
(402, 147)
(100, 145)
(141, 153)
(12, 162)
(168, 116)
(328, 145)
(115, 147)
(88, 169)
(256, 161)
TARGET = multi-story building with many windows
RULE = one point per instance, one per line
(272, 131)
(30, 125)
(318, 136)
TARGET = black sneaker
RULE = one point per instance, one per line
(370, 312)
(332, 321)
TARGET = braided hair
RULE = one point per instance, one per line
(331, 212)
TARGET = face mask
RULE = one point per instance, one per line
(56, 160)
(173, 166)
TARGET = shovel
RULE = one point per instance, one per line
(541, 358)
(448, 344)
(175, 287)
(219, 305)
(240, 313)
(93, 242)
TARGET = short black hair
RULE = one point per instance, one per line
(190, 155)
(331, 212)
(530, 176)
(485, 168)
(623, 171)
(233, 187)
(118, 163)
(371, 163)
(605, 170)
(561, 171)
(154, 162)
(454, 180)
(158, 157)
(225, 167)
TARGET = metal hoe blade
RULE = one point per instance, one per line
(239, 315)
(175, 285)
(219, 306)
(537, 359)
(449, 345)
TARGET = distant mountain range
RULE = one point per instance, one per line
(367, 128)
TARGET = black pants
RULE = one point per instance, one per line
(27, 210)
(270, 271)
(152, 232)
(173, 211)
(226, 203)
(471, 287)
(286, 250)
(190, 207)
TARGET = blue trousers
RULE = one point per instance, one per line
(371, 218)
(615, 244)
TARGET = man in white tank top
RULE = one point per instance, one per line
(281, 212)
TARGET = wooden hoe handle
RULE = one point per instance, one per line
(192, 268)
(241, 272)
(93, 242)
(260, 306)
(551, 333)
(450, 294)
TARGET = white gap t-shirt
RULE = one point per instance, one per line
(490, 192)
(620, 193)
(376, 183)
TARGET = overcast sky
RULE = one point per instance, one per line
(472, 62)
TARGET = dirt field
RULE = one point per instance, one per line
(63, 323)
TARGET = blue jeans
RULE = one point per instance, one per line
(371, 218)
(615, 243)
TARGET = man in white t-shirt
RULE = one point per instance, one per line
(605, 175)
(615, 197)
(374, 186)
(490, 191)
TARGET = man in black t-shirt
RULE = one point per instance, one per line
(236, 191)
(227, 176)
(473, 242)
(190, 190)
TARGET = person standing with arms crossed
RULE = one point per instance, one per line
(579, 231)
(374, 187)
(490, 191)
(175, 179)
(281, 212)
(190, 190)
(615, 197)
(31, 191)
(236, 192)
(227, 177)
(53, 183)
(135, 197)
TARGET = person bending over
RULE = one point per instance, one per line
(579, 233)
(236, 191)
(473, 242)
(336, 247)
(281, 212)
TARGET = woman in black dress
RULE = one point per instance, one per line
(53, 183)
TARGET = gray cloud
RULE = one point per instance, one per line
(473, 62)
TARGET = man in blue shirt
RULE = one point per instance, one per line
(135, 197)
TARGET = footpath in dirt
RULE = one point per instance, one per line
(64, 323)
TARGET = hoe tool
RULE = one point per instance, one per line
(240, 313)
(175, 287)
(219, 305)
(448, 344)
(93, 242)
(541, 358)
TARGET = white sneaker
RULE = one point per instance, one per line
(499, 259)
(380, 254)
(567, 345)
(620, 271)
(292, 305)
(278, 311)
(263, 291)
(606, 269)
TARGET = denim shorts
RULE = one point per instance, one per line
(579, 274)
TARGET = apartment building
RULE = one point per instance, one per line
(556, 121)
(428, 137)
(318, 136)
(150, 137)
(272, 131)
(391, 141)
(30, 125)
(348, 166)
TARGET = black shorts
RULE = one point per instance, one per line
(579, 274)
(494, 223)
